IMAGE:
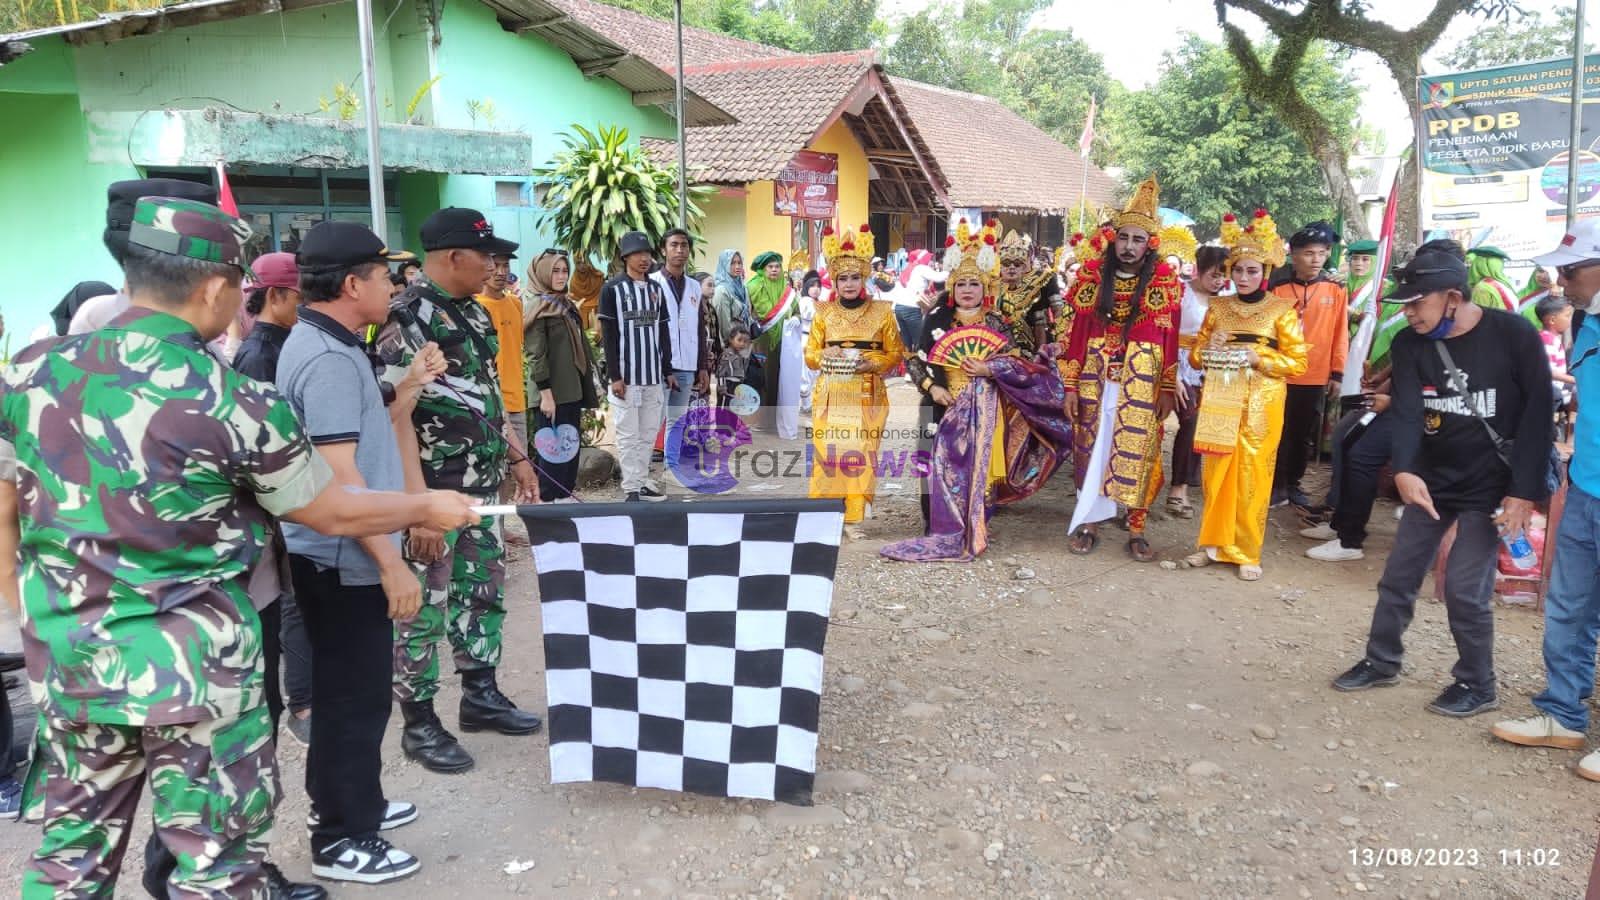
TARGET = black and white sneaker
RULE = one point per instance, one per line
(651, 494)
(370, 860)
(396, 814)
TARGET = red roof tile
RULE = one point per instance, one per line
(652, 38)
(995, 159)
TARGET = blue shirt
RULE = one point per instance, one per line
(1585, 367)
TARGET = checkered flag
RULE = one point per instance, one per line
(683, 642)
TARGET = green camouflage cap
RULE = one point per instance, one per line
(188, 228)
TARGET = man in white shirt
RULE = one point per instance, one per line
(691, 357)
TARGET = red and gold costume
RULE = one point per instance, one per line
(850, 407)
(1241, 408)
(1028, 304)
(1128, 360)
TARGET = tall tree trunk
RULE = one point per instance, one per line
(1408, 220)
(1342, 190)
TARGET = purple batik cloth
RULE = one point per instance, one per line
(1029, 397)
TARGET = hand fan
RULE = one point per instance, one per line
(967, 342)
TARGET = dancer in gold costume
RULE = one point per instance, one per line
(1248, 344)
(853, 343)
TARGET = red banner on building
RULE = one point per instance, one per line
(808, 187)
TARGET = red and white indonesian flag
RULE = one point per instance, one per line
(1086, 140)
(1367, 301)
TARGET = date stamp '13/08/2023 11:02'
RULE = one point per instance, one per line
(1443, 857)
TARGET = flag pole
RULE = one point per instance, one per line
(380, 217)
(1573, 153)
(683, 148)
(1083, 194)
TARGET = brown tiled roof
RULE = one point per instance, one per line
(652, 38)
(781, 102)
(994, 158)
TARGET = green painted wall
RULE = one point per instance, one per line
(536, 89)
(47, 70)
(419, 198)
(57, 198)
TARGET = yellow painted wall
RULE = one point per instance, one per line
(722, 228)
(749, 224)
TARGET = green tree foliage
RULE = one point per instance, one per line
(922, 52)
(1532, 37)
(806, 26)
(1049, 80)
(24, 15)
(1215, 150)
(601, 187)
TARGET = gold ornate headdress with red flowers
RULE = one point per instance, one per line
(851, 252)
(1258, 240)
(970, 254)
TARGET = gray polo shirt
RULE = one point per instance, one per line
(329, 380)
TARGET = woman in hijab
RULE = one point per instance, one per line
(81, 292)
(772, 301)
(560, 371)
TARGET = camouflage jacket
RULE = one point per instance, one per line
(460, 417)
(146, 473)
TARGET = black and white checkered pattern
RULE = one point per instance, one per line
(683, 642)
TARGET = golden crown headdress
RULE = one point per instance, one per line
(969, 254)
(1143, 209)
(1176, 240)
(1258, 240)
(850, 252)
(1015, 248)
(799, 261)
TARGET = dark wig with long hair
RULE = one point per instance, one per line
(1108, 284)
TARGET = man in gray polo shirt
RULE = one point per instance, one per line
(349, 589)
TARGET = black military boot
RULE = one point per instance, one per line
(484, 708)
(426, 740)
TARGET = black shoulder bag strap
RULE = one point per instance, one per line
(447, 306)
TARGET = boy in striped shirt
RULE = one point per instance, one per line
(633, 326)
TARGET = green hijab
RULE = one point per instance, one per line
(765, 293)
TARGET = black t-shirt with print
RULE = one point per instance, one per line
(1438, 438)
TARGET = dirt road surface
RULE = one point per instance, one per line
(1039, 725)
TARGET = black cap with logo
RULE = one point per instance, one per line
(338, 245)
(456, 228)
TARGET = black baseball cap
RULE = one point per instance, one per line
(123, 196)
(1437, 266)
(456, 228)
(338, 245)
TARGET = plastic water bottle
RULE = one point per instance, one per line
(1517, 546)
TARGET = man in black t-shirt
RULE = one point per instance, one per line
(1472, 408)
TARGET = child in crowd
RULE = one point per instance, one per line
(1555, 320)
(734, 364)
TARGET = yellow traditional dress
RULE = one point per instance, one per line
(849, 408)
(1241, 409)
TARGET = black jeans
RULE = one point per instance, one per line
(296, 652)
(930, 414)
(8, 754)
(1302, 418)
(352, 660)
(1359, 453)
(1468, 589)
(557, 481)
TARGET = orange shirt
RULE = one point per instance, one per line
(507, 315)
(1325, 319)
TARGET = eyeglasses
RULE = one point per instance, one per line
(554, 250)
(1571, 269)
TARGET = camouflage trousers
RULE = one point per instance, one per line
(464, 600)
(213, 786)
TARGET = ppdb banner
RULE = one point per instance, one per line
(1494, 145)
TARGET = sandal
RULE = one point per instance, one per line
(1084, 542)
(855, 532)
(1139, 549)
(1179, 508)
(1249, 573)
(1199, 560)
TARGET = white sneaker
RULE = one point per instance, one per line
(1542, 730)
(1333, 551)
(1399, 512)
(370, 860)
(397, 813)
(1320, 532)
(1589, 766)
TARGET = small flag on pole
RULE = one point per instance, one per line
(225, 200)
(1086, 140)
(683, 641)
(1367, 301)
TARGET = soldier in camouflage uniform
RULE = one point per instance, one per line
(137, 477)
(462, 445)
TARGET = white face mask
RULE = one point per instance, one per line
(1594, 305)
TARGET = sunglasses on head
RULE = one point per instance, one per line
(1570, 269)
